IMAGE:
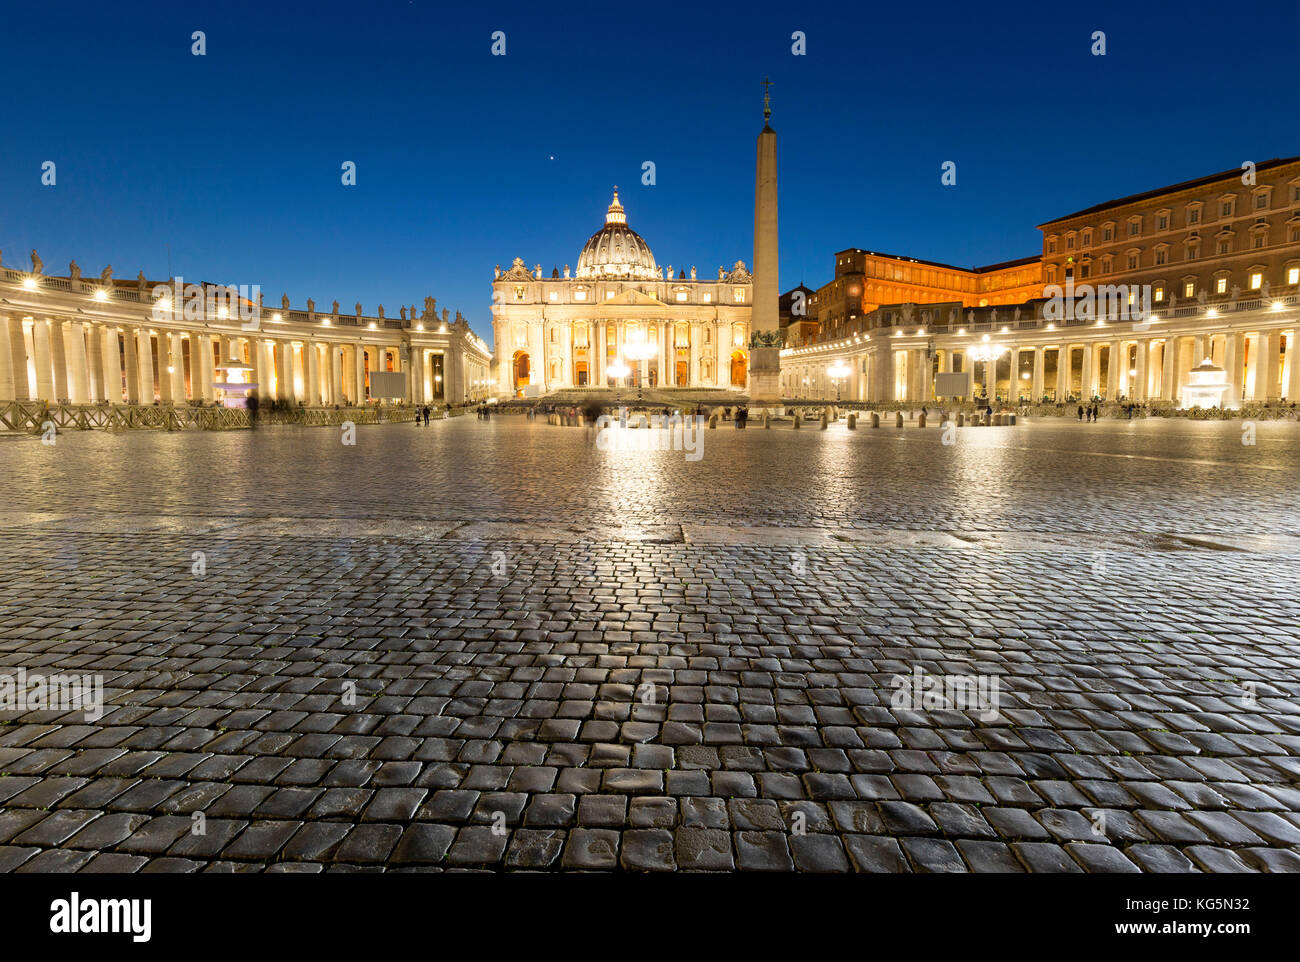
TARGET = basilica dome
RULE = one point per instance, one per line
(616, 250)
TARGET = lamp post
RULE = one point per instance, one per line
(837, 371)
(638, 352)
(618, 370)
(988, 353)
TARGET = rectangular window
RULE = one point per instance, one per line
(707, 297)
(1133, 227)
(555, 295)
(1132, 261)
(1051, 247)
(1084, 269)
(1069, 243)
(1293, 275)
(1107, 234)
(1256, 279)
(1261, 201)
(579, 295)
(1159, 294)
(1162, 222)
(1226, 209)
(1160, 257)
(1259, 241)
(740, 296)
(1189, 288)
(1194, 216)
(1192, 252)
(681, 297)
(1225, 246)
(1221, 285)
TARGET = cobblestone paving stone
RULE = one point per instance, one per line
(445, 649)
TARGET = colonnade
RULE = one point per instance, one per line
(1261, 364)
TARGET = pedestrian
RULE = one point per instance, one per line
(1080, 412)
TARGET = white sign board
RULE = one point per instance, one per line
(952, 384)
(387, 384)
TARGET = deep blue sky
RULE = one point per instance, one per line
(466, 160)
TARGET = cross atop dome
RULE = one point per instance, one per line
(615, 214)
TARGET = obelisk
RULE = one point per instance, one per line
(765, 323)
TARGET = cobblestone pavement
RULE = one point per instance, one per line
(490, 645)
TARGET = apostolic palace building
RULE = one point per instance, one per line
(1183, 296)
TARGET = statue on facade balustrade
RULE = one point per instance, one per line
(1233, 295)
(284, 302)
(970, 317)
(993, 316)
(952, 316)
(1200, 297)
(38, 265)
(335, 311)
(74, 272)
(141, 284)
(1263, 290)
(402, 313)
(358, 309)
(1173, 300)
(444, 315)
(106, 276)
(311, 306)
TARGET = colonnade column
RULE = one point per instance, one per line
(1169, 374)
(1141, 384)
(1063, 363)
(313, 373)
(359, 370)
(79, 386)
(144, 354)
(177, 372)
(1293, 366)
(1234, 346)
(1116, 371)
(41, 355)
(14, 347)
(1040, 363)
(7, 383)
(1271, 358)
(95, 361)
(336, 371)
(59, 358)
(1086, 388)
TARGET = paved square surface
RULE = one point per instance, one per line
(492, 645)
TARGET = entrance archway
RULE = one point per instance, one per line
(738, 368)
(580, 369)
(521, 369)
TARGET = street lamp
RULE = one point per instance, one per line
(837, 371)
(639, 351)
(618, 370)
(987, 353)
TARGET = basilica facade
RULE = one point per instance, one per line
(619, 320)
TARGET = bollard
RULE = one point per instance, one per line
(713, 420)
(920, 422)
(875, 419)
(961, 420)
(898, 420)
(825, 421)
(1011, 419)
(853, 422)
(581, 419)
(767, 422)
(997, 420)
(796, 420)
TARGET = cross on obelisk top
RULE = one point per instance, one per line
(767, 99)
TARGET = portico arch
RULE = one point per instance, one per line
(522, 370)
(739, 368)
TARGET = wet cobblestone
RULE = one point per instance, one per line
(347, 689)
